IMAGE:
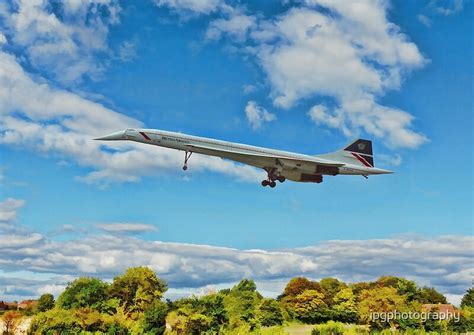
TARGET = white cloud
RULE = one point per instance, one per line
(257, 115)
(63, 39)
(236, 26)
(249, 88)
(352, 57)
(126, 227)
(447, 7)
(59, 123)
(9, 208)
(192, 7)
(444, 262)
(425, 20)
(128, 50)
(393, 160)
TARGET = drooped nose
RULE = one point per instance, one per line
(119, 135)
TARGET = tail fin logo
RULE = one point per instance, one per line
(361, 146)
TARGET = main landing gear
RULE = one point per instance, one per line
(187, 154)
(272, 176)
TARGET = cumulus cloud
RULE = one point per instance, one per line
(257, 115)
(61, 39)
(126, 227)
(348, 52)
(9, 208)
(352, 56)
(61, 123)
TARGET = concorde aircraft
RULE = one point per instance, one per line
(354, 159)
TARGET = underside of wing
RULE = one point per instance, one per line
(264, 159)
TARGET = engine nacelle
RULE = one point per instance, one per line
(303, 177)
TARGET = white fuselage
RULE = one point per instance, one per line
(225, 149)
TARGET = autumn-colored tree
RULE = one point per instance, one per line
(298, 285)
(11, 320)
(380, 300)
(137, 288)
(330, 287)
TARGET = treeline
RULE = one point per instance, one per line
(133, 304)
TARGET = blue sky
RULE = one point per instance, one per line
(401, 74)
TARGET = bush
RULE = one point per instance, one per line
(330, 328)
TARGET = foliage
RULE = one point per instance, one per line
(241, 303)
(269, 313)
(137, 288)
(10, 321)
(132, 305)
(382, 300)
(330, 328)
(429, 295)
(45, 302)
(154, 318)
(345, 307)
(298, 285)
(468, 298)
(73, 321)
(309, 306)
(83, 292)
(330, 287)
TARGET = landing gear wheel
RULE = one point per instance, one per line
(272, 184)
(187, 154)
(281, 179)
(265, 183)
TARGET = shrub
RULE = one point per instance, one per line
(330, 328)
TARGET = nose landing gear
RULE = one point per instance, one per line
(187, 154)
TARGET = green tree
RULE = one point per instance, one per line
(83, 292)
(404, 286)
(269, 313)
(45, 302)
(212, 306)
(429, 295)
(468, 298)
(309, 306)
(137, 288)
(345, 306)
(241, 304)
(154, 318)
